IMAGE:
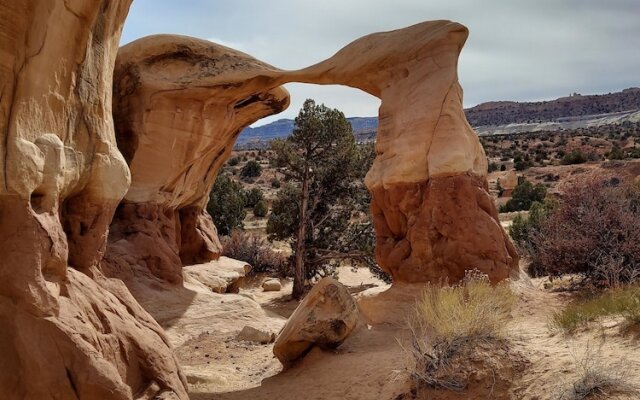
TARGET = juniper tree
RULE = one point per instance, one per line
(314, 209)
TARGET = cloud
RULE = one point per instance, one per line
(517, 49)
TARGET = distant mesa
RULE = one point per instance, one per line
(495, 117)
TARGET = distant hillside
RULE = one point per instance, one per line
(260, 136)
(511, 112)
(495, 117)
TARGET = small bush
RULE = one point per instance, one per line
(450, 321)
(616, 153)
(624, 302)
(256, 251)
(596, 378)
(234, 161)
(594, 231)
(275, 183)
(261, 209)
(575, 157)
(227, 204)
(523, 228)
(523, 196)
(252, 169)
(253, 196)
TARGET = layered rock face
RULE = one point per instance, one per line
(66, 331)
(179, 104)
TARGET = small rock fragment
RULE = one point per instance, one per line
(251, 334)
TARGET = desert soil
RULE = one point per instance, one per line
(371, 364)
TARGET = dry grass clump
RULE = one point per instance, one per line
(622, 302)
(596, 378)
(450, 322)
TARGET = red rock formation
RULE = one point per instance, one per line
(66, 331)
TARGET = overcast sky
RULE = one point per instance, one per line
(523, 50)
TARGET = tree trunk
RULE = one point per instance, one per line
(299, 273)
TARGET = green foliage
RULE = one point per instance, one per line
(252, 169)
(226, 204)
(624, 302)
(260, 209)
(283, 221)
(253, 196)
(522, 227)
(524, 194)
(492, 167)
(522, 165)
(634, 152)
(616, 153)
(275, 183)
(234, 161)
(575, 157)
(321, 154)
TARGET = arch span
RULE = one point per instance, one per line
(180, 103)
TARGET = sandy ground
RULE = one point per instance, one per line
(203, 326)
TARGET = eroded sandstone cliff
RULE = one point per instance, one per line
(179, 105)
(66, 331)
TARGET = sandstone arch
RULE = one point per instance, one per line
(433, 216)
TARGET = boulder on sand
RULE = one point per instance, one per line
(272, 285)
(325, 318)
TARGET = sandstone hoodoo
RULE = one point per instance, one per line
(66, 332)
(325, 318)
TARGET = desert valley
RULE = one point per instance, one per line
(157, 243)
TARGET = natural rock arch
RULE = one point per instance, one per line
(187, 99)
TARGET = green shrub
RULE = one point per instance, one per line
(523, 196)
(575, 157)
(275, 183)
(234, 161)
(523, 227)
(252, 169)
(261, 209)
(623, 302)
(253, 196)
(616, 153)
(226, 204)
